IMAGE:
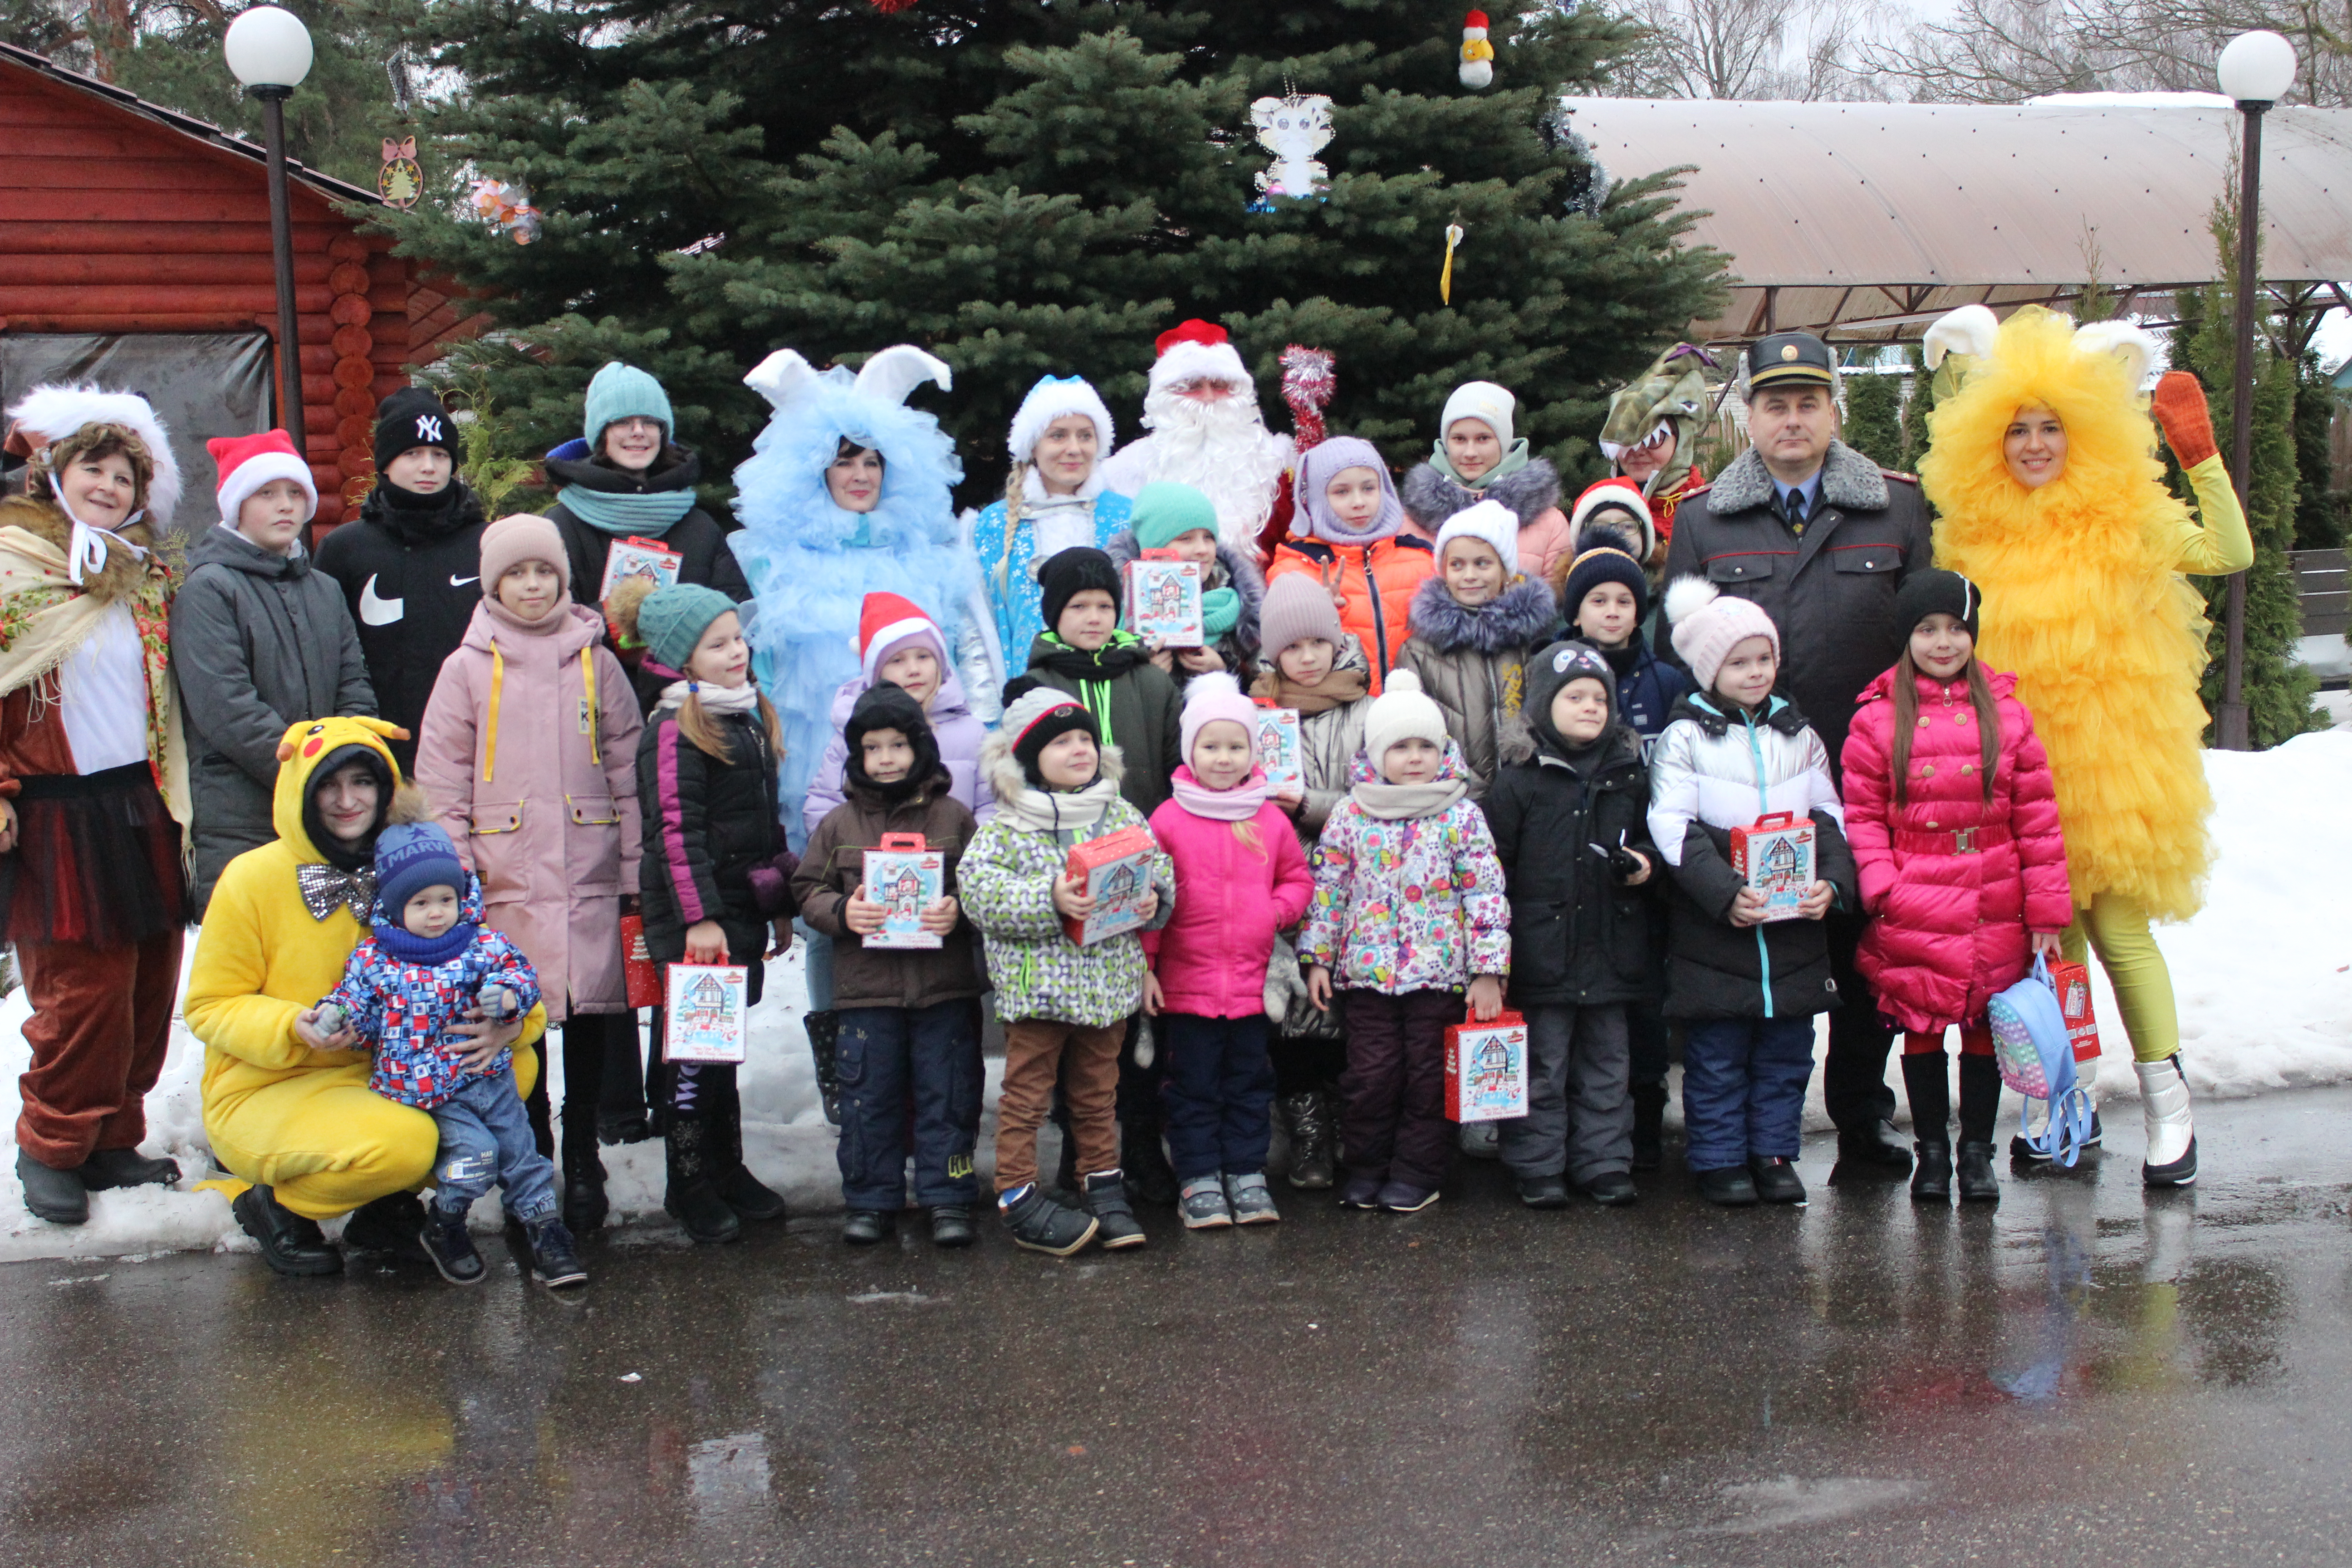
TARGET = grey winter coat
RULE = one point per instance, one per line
(259, 641)
(1327, 744)
(1830, 591)
(1472, 662)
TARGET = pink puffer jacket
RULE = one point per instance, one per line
(1231, 899)
(1953, 883)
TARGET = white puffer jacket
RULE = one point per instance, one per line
(1712, 768)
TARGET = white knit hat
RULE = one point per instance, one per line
(1050, 399)
(1198, 349)
(1400, 712)
(1484, 401)
(1491, 521)
(1708, 624)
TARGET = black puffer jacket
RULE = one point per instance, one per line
(705, 557)
(1580, 937)
(712, 846)
(411, 577)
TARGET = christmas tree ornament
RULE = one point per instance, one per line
(505, 206)
(1445, 275)
(401, 181)
(1308, 382)
(891, 7)
(1477, 54)
(1294, 128)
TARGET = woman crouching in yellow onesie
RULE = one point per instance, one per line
(2043, 470)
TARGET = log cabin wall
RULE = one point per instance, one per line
(120, 217)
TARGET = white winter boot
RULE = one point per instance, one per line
(2171, 1159)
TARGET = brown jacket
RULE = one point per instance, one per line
(833, 866)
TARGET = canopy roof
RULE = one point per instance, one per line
(1869, 220)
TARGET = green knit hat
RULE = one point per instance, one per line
(672, 620)
(1164, 509)
(624, 391)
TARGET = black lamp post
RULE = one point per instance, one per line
(268, 50)
(2255, 70)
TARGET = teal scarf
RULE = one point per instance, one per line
(622, 515)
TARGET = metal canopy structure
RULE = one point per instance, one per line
(1865, 222)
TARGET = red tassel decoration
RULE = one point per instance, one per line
(1308, 383)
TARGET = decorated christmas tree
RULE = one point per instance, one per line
(1025, 187)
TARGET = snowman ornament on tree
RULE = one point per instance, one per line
(1478, 54)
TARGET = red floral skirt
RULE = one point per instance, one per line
(97, 861)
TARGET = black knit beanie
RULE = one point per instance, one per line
(1604, 563)
(409, 418)
(1036, 718)
(1924, 593)
(1550, 668)
(887, 707)
(1071, 572)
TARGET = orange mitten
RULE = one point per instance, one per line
(2180, 411)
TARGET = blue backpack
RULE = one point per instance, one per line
(2036, 1056)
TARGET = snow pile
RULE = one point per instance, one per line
(2263, 976)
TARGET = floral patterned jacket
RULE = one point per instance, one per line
(1412, 904)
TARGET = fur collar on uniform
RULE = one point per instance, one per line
(1849, 481)
(1430, 497)
(45, 521)
(1522, 615)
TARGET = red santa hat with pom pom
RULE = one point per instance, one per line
(886, 622)
(248, 462)
(1198, 351)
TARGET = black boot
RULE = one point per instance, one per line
(1306, 1117)
(692, 1198)
(390, 1224)
(1977, 1183)
(825, 1040)
(126, 1168)
(290, 1243)
(1931, 1177)
(1649, 1126)
(585, 1207)
(554, 1260)
(1149, 1178)
(1106, 1199)
(749, 1197)
(59, 1196)
(1042, 1225)
(1929, 1090)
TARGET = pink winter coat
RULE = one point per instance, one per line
(539, 797)
(1211, 957)
(1953, 883)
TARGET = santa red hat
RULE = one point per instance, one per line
(1195, 350)
(1612, 507)
(884, 622)
(1475, 22)
(248, 462)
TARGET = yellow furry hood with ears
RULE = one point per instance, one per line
(2082, 602)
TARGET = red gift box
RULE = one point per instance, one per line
(1774, 855)
(2074, 982)
(1486, 1068)
(1117, 870)
(643, 976)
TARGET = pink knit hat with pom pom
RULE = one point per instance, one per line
(1210, 697)
(1708, 624)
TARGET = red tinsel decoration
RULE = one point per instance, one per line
(891, 7)
(1308, 383)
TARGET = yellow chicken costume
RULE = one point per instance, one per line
(301, 1123)
(2084, 599)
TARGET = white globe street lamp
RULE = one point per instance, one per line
(2255, 70)
(269, 51)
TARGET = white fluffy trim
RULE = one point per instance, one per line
(1971, 330)
(53, 413)
(1192, 362)
(1686, 596)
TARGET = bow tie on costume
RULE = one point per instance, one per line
(324, 889)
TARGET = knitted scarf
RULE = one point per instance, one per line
(1038, 810)
(652, 514)
(1395, 802)
(1340, 687)
(1513, 461)
(1238, 803)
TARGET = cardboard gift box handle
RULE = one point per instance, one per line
(1502, 1020)
(1776, 819)
(903, 844)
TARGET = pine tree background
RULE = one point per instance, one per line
(2277, 690)
(1873, 425)
(1026, 187)
(2319, 507)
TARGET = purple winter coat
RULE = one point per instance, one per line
(959, 736)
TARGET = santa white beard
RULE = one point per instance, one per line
(1222, 449)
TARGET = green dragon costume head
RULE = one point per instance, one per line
(1670, 396)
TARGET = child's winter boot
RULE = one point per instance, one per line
(554, 1261)
(1730, 1186)
(1979, 1109)
(825, 1038)
(692, 1197)
(864, 1228)
(1777, 1181)
(1106, 1199)
(749, 1197)
(1249, 1199)
(1307, 1117)
(1202, 1203)
(450, 1248)
(2171, 1160)
(952, 1225)
(1042, 1225)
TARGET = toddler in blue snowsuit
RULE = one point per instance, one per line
(431, 964)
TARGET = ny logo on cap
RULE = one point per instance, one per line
(429, 427)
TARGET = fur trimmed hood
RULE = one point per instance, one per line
(1430, 497)
(1849, 480)
(1521, 616)
(123, 573)
(1001, 768)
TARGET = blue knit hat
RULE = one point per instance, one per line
(411, 857)
(624, 391)
(672, 620)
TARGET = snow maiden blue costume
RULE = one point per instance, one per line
(811, 563)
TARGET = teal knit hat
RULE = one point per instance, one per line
(672, 620)
(1163, 510)
(624, 391)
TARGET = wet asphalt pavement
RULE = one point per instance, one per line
(2087, 1375)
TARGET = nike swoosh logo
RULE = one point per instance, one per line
(377, 612)
(457, 582)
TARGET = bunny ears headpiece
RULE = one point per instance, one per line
(785, 376)
(1973, 334)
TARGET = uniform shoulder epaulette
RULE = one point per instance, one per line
(1900, 474)
(1696, 490)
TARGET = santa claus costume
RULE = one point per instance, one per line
(2080, 548)
(95, 782)
(1218, 444)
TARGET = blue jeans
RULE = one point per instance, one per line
(882, 1052)
(1744, 1089)
(486, 1142)
(817, 966)
(1218, 1090)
